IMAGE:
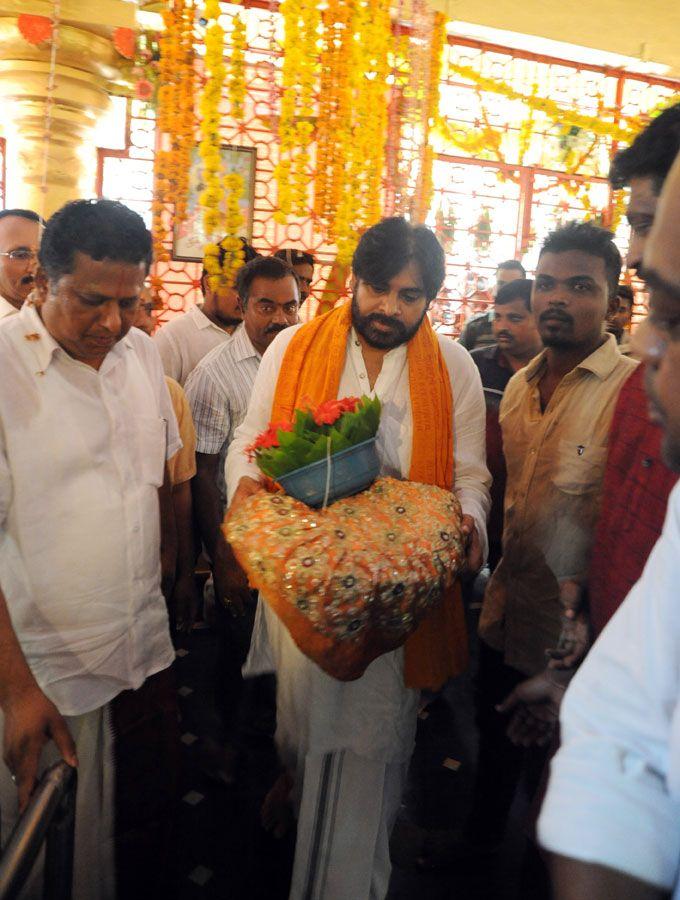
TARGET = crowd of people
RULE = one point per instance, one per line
(123, 447)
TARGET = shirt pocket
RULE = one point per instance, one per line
(150, 439)
(579, 468)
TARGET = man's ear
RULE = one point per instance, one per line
(41, 288)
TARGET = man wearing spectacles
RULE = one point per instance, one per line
(19, 240)
(218, 391)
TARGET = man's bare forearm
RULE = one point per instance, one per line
(575, 880)
(186, 552)
(15, 675)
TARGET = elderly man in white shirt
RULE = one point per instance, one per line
(347, 744)
(86, 426)
(19, 240)
(187, 338)
(611, 817)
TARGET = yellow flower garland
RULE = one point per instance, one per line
(565, 117)
(220, 197)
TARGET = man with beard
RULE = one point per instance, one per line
(518, 341)
(611, 816)
(186, 339)
(555, 418)
(347, 744)
(19, 241)
(218, 391)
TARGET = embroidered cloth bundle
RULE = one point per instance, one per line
(353, 581)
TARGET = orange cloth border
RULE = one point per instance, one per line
(310, 374)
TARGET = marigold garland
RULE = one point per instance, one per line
(302, 19)
(175, 118)
(220, 196)
(237, 74)
(564, 117)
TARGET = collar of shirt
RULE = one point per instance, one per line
(241, 345)
(200, 319)
(45, 346)
(6, 308)
(601, 362)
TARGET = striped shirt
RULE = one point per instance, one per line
(218, 391)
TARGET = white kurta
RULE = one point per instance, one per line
(373, 716)
(614, 791)
(348, 743)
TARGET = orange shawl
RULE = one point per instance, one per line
(310, 374)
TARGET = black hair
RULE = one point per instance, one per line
(249, 254)
(652, 152)
(591, 239)
(295, 257)
(262, 267)
(387, 248)
(625, 292)
(102, 229)
(519, 289)
(512, 264)
(22, 214)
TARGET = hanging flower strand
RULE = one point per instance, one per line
(221, 260)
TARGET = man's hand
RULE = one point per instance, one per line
(31, 720)
(575, 638)
(186, 603)
(535, 707)
(473, 546)
(231, 584)
(245, 488)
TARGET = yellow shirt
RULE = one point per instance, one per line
(182, 466)
(555, 462)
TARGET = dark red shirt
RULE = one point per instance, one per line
(634, 499)
(495, 374)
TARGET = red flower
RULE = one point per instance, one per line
(268, 438)
(143, 89)
(329, 412)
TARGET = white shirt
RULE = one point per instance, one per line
(218, 391)
(6, 308)
(82, 456)
(375, 715)
(614, 792)
(185, 340)
(395, 435)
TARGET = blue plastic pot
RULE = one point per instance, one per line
(352, 470)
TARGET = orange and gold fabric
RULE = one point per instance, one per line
(310, 374)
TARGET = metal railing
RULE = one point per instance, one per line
(49, 818)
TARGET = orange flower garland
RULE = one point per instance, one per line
(176, 120)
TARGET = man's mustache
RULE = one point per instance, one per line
(504, 334)
(555, 314)
(372, 318)
(274, 329)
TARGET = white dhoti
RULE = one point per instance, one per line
(94, 866)
(347, 746)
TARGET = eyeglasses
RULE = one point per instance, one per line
(22, 254)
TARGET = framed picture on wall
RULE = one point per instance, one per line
(189, 238)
